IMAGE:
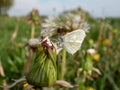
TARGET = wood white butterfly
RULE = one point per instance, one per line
(72, 41)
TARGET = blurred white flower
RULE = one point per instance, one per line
(49, 22)
(77, 18)
(47, 32)
(70, 21)
(49, 27)
(91, 51)
(73, 21)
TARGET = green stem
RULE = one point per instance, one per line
(102, 85)
(32, 31)
(63, 63)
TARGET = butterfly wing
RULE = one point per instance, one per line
(71, 47)
(73, 40)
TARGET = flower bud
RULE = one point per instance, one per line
(43, 69)
(88, 65)
(33, 42)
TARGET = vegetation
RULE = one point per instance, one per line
(4, 6)
(103, 36)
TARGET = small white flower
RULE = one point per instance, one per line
(91, 51)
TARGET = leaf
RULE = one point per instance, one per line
(97, 70)
(13, 66)
(63, 83)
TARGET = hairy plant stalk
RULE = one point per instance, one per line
(28, 60)
(2, 73)
(30, 50)
(63, 63)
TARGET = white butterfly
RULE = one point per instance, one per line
(72, 41)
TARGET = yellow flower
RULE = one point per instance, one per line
(32, 89)
(106, 41)
(90, 88)
(19, 44)
(96, 57)
(115, 31)
(91, 41)
(25, 85)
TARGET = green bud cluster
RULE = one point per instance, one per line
(43, 70)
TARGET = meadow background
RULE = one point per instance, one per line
(104, 36)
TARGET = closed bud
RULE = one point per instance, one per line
(88, 65)
(43, 70)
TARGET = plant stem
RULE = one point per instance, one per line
(102, 24)
(33, 31)
(28, 60)
(63, 63)
(2, 73)
(30, 50)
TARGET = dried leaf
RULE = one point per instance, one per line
(97, 70)
(63, 83)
